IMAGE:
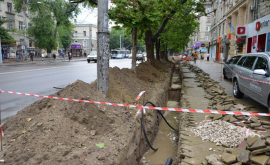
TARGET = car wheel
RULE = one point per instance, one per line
(96, 61)
(88, 61)
(236, 91)
(224, 74)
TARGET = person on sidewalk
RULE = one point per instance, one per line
(31, 55)
(42, 56)
(202, 56)
(17, 56)
(207, 55)
(54, 56)
(195, 56)
(69, 56)
(63, 56)
(22, 54)
(84, 54)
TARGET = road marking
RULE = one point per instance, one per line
(38, 75)
(38, 69)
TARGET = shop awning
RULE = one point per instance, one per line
(203, 50)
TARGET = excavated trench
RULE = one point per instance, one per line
(167, 139)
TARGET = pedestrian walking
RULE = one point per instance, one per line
(84, 54)
(42, 56)
(17, 56)
(207, 55)
(22, 54)
(31, 55)
(195, 56)
(202, 56)
(63, 56)
(54, 56)
(69, 56)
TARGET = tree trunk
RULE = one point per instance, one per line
(166, 53)
(149, 48)
(162, 54)
(134, 49)
(157, 49)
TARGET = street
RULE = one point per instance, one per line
(40, 79)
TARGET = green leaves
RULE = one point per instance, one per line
(100, 145)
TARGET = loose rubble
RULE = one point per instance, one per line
(221, 132)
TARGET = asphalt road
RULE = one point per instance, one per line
(41, 78)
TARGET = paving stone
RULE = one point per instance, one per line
(260, 143)
(232, 119)
(267, 141)
(192, 161)
(243, 156)
(227, 118)
(259, 128)
(241, 124)
(237, 151)
(228, 158)
(260, 151)
(238, 163)
(267, 153)
(255, 124)
(252, 140)
(254, 119)
(266, 126)
(265, 122)
(243, 144)
(217, 116)
(260, 160)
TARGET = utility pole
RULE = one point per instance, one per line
(90, 38)
(25, 28)
(103, 51)
(1, 56)
(120, 42)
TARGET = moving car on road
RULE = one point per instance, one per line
(92, 57)
(251, 77)
(139, 57)
(229, 66)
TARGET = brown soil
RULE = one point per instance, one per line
(65, 132)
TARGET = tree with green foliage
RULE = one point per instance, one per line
(5, 36)
(150, 17)
(50, 22)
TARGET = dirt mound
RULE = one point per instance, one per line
(146, 72)
(65, 132)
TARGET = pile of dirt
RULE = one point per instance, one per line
(65, 132)
(146, 72)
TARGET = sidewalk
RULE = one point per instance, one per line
(36, 60)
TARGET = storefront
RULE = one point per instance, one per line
(76, 49)
(213, 49)
(259, 35)
(240, 41)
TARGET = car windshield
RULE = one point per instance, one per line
(93, 53)
(139, 55)
(119, 55)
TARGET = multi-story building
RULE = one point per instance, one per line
(84, 39)
(201, 37)
(233, 22)
(7, 11)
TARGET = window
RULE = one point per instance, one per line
(30, 43)
(29, 25)
(206, 38)
(241, 61)
(208, 10)
(249, 62)
(261, 64)
(223, 28)
(20, 25)
(21, 41)
(9, 6)
(10, 24)
(234, 60)
(84, 43)
(76, 33)
(208, 20)
(208, 28)
(84, 33)
(221, 15)
(197, 38)
(20, 13)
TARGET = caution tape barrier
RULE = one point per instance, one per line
(140, 94)
(145, 107)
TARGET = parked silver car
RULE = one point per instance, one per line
(249, 70)
(227, 73)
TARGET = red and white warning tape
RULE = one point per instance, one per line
(247, 77)
(140, 94)
(2, 132)
(146, 107)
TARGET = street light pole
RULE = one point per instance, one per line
(1, 61)
(25, 28)
(103, 51)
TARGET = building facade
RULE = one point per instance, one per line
(201, 38)
(7, 11)
(233, 28)
(85, 39)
